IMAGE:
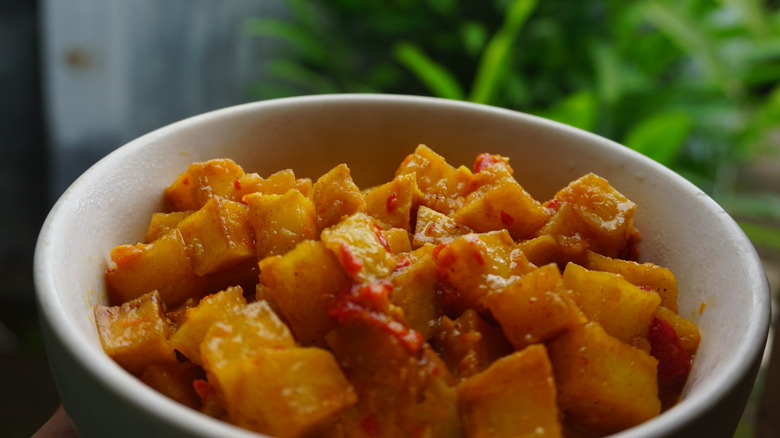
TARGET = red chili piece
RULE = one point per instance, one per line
(674, 363)
(237, 184)
(383, 240)
(370, 425)
(351, 264)
(404, 262)
(485, 160)
(506, 219)
(392, 202)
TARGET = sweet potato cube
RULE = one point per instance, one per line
(514, 397)
(163, 265)
(435, 228)
(280, 222)
(175, 381)
(250, 329)
(623, 310)
(218, 236)
(360, 247)
(336, 196)
(604, 386)
(391, 204)
(644, 275)
(414, 291)
(303, 283)
(211, 309)
(687, 332)
(441, 185)
(599, 215)
(499, 202)
(135, 334)
(535, 307)
(476, 264)
(468, 345)
(201, 182)
(288, 392)
(162, 223)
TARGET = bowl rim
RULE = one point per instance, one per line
(119, 382)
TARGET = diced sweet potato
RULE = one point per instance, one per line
(435, 228)
(591, 214)
(475, 264)
(514, 397)
(441, 185)
(499, 202)
(163, 265)
(604, 386)
(211, 309)
(304, 283)
(534, 308)
(162, 223)
(135, 334)
(201, 182)
(336, 196)
(175, 381)
(623, 310)
(218, 236)
(288, 392)
(468, 345)
(644, 275)
(360, 247)
(391, 204)
(280, 222)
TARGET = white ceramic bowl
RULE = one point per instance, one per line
(110, 204)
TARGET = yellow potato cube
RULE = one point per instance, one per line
(135, 334)
(604, 386)
(280, 222)
(276, 184)
(687, 332)
(414, 291)
(515, 397)
(288, 392)
(499, 202)
(303, 283)
(535, 307)
(201, 182)
(644, 275)
(391, 203)
(476, 264)
(623, 310)
(360, 247)
(175, 381)
(162, 223)
(541, 250)
(213, 308)
(435, 228)
(336, 196)
(163, 265)
(441, 185)
(218, 236)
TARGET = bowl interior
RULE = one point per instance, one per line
(683, 229)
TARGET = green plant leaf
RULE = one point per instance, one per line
(660, 137)
(435, 77)
(762, 235)
(578, 110)
(301, 76)
(495, 61)
(296, 36)
(763, 206)
(474, 36)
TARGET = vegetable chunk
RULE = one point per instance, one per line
(135, 334)
(604, 385)
(496, 403)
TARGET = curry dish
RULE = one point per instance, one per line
(446, 302)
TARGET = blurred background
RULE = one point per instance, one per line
(694, 84)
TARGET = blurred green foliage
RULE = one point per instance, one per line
(694, 84)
